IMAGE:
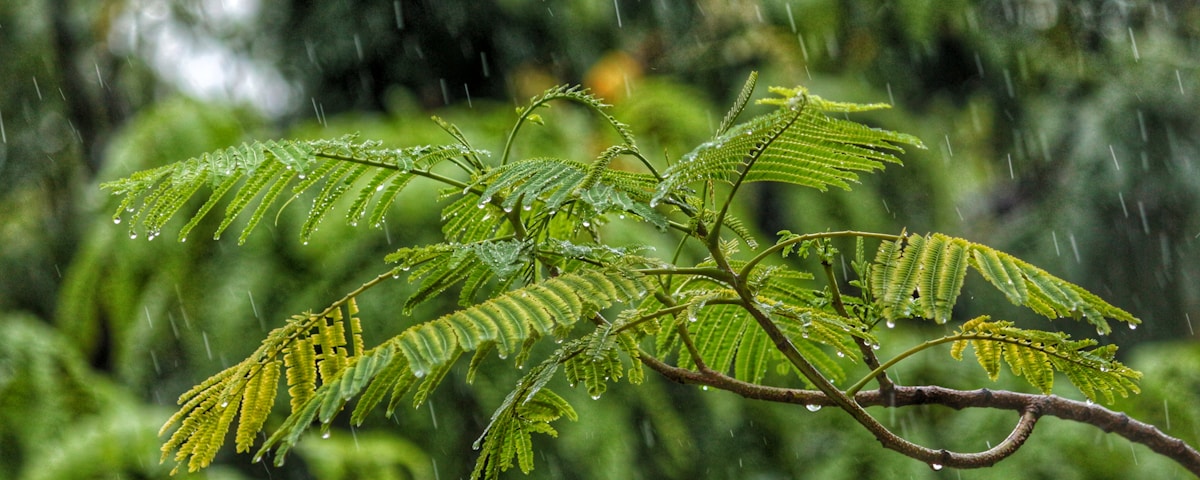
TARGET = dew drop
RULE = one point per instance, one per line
(1133, 326)
(891, 323)
(595, 397)
(325, 435)
(937, 467)
(132, 235)
(224, 404)
(527, 208)
(117, 220)
(841, 355)
(812, 408)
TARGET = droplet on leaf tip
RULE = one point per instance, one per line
(812, 408)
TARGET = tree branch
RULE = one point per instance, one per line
(1030, 406)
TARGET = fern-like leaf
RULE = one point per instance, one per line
(743, 99)
(207, 411)
(1036, 355)
(796, 144)
(923, 276)
(509, 318)
(263, 170)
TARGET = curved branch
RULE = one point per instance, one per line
(1030, 406)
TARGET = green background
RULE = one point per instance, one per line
(1063, 132)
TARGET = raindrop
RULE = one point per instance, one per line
(937, 467)
(1074, 247)
(1124, 209)
(618, 9)
(1054, 237)
(1136, 57)
(207, 347)
(1179, 80)
(812, 407)
(399, 15)
(1167, 414)
(3, 135)
(792, 21)
(1142, 125)
(1011, 175)
(1142, 212)
(445, 92)
(1114, 157)
(36, 88)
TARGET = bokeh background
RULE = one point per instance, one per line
(1064, 132)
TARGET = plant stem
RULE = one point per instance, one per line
(903, 355)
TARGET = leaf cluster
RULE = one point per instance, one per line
(524, 249)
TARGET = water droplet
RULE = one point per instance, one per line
(937, 467)
(224, 404)
(586, 224)
(132, 235)
(1089, 401)
(117, 220)
(891, 323)
(527, 208)
(704, 387)
(841, 355)
(1133, 326)
(595, 397)
(326, 434)
(812, 408)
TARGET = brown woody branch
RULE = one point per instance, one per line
(1031, 407)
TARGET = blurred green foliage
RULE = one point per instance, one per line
(1073, 117)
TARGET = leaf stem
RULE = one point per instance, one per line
(769, 251)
